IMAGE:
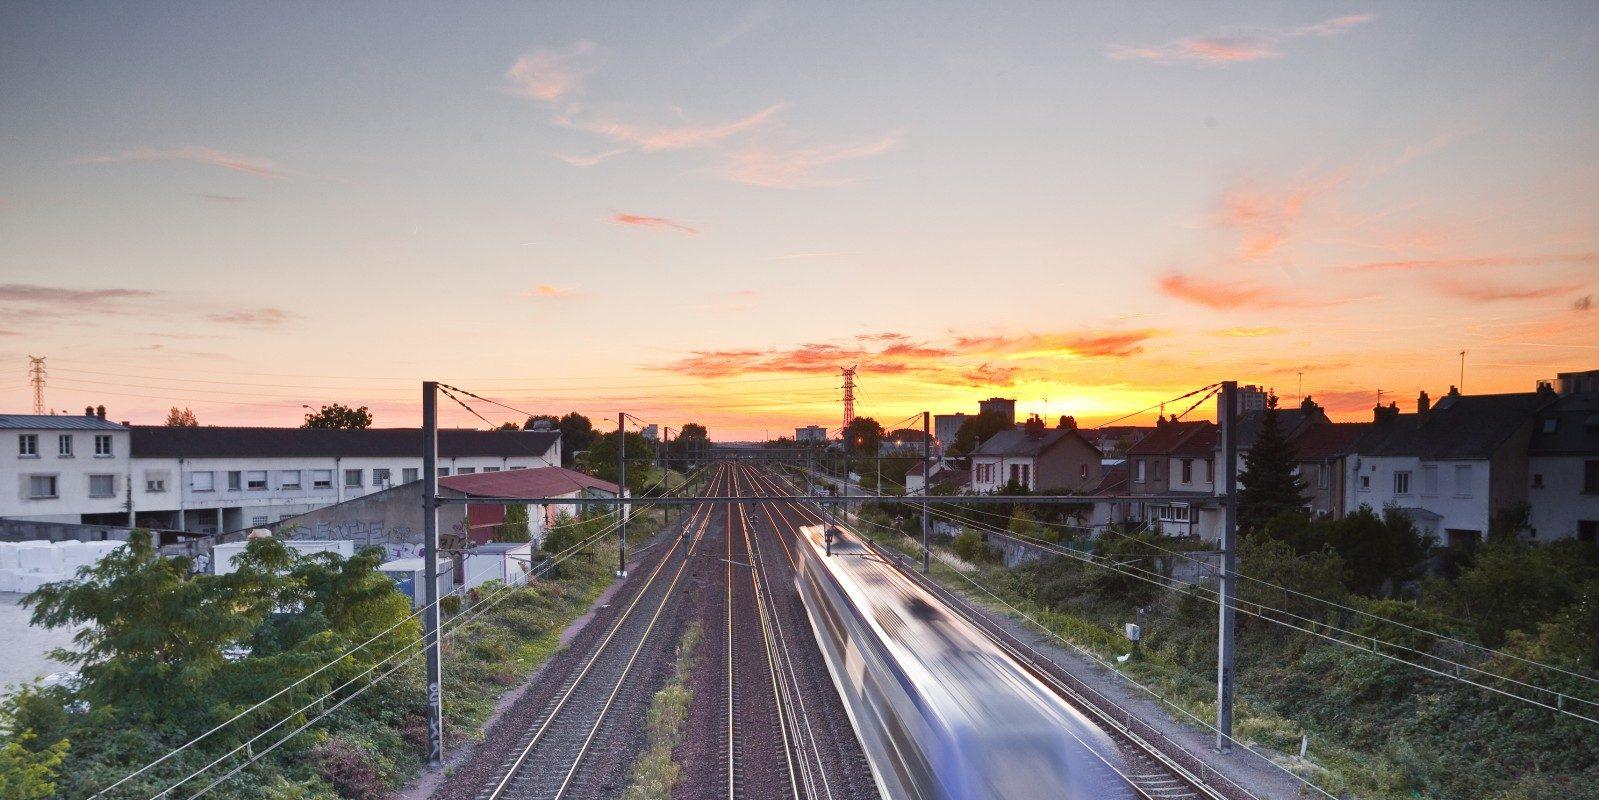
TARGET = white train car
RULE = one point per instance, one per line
(943, 712)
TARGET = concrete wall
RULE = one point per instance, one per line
(389, 519)
(1560, 503)
(71, 473)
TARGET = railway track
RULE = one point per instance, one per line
(556, 754)
(1153, 767)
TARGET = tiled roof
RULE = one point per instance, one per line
(1112, 480)
(1016, 442)
(161, 441)
(1289, 421)
(1200, 443)
(1329, 441)
(1168, 436)
(57, 422)
(531, 483)
(1575, 422)
(1466, 426)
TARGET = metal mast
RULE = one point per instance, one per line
(36, 376)
(849, 396)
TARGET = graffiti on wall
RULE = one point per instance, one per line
(397, 541)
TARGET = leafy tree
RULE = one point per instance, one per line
(600, 459)
(1514, 586)
(28, 774)
(181, 418)
(577, 433)
(1270, 486)
(339, 415)
(689, 444)
(976, 430)
(515, 527)
(863, 437)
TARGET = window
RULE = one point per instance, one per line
(1588, 530)
(255, 480)
(409, 474)
(41, 487)
(1365, 483)
(491, 469)
(202, 481)
(1082, 471)
(321, 479)
(1171, 513)
(1140, 476)
(1462, 480)
(64, 445)
(1429, 480)
(102, 445)
(444, 472)
(102, 486)
(1322, 476)
(1537, 480)
(1020, 474)
(1549, 425)
(352, 479)
(1402, 482)
(1188, 470)
(258, 520)
(154, 482)
(1210, 470)
(1155, 467)
(28, 445)
(1590, 476)
(289, 479)
(466, 470)
(235, 480)
(380, 477)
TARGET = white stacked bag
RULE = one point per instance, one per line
(26, 566)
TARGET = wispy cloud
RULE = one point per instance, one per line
(223, 198)
(684, 134)
(799, 167)
(1249, 333)
(57, 295)
(813, 256)
(209, 156)
(734, 301)
(753, 18)
(1569, 259)
(653, 223)
(258, 317)
(1583, 303)
(1478, 290)
(1228, 294)
(1265, 217)
(547, 75)
(548, 292)
(1232, 46)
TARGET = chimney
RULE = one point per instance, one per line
(1423, 402)
(1068, 422)
(99, 412)
(1383, 414)
(1454, 391)
(88, 411)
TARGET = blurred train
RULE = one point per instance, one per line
(942, 711)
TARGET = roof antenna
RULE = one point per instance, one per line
(1462, 372)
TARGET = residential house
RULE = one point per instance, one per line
(1563, 465)
(1464, 460)
(1324, 452)
(62, 466)
(1038, 458)
(1176, 458)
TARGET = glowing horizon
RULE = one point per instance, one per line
(701, 213)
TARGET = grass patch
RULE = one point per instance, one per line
(655, 774)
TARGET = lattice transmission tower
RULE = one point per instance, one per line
(849, 395)
(36, 376)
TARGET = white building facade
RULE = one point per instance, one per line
(55, 468)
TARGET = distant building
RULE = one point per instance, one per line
(651, 432)
(1001, 406)
(903, 441)
(1570, 383)
(1176, 458)
(811, 434)
(945, 427)
(1037, 458)
(1563, 463)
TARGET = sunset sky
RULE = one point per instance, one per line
(701, 211)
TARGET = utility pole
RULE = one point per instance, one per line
(621, 492)
(430, 594)
(927, 484)
(1228, 414)
(664, 461)
(36, 376)
(1462, 372)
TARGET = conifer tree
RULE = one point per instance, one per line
(1269, 485)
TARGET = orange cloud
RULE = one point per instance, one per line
(1245, 45)
(249, 165)
(1265, 219)
(547, 75)
(545, 290)
(1577, 259)
(1227, 294)
(1479, 291)
(653, 223)
(683, 136)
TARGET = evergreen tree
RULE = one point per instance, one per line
(1269, 485)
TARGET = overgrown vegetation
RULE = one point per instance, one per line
(655, 774)
(166, 655)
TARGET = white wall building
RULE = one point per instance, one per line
(58, 468)
(1563, 468)
(811, 434)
